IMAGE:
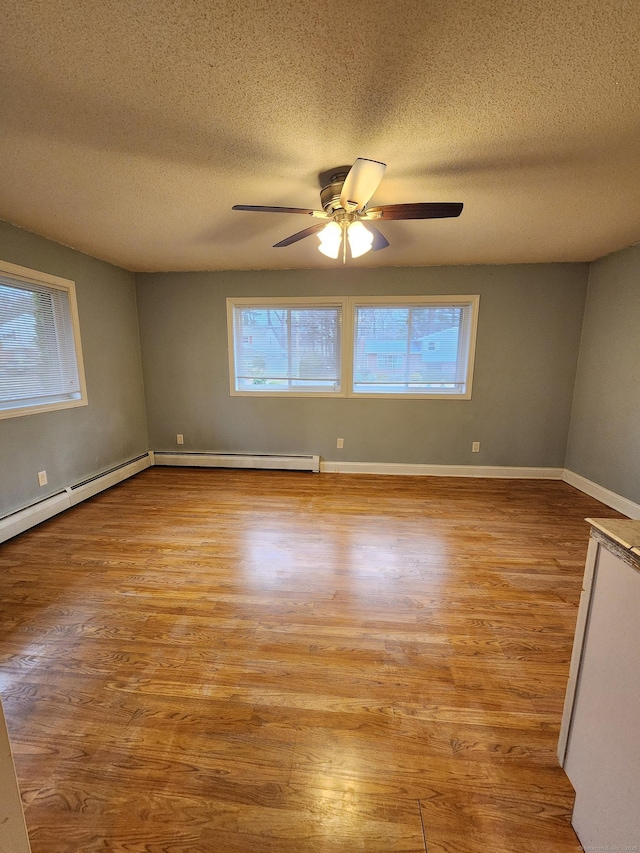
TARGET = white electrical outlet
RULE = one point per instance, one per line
(180, 438)
(42, 478)
(340, 443)
(475, 447)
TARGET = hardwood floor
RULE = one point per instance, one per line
(269, 662)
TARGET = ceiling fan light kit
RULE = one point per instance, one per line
(344, 200)
(360, 239)
(330, 240)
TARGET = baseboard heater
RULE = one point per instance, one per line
(98, 483)
(240, 460)
(22, 519)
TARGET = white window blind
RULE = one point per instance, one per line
(414, 349)
(38, 358)
(291, 348)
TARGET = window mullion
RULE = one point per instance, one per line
(289, 353)
(408, 357)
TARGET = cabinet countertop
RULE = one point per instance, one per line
(625, 532)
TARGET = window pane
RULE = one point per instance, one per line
(288, 348)
(411, 349)
(38, 364)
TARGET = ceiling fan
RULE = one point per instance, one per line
(344, 200)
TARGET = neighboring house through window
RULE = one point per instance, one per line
(388, 360)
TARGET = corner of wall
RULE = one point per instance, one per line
(575, 381)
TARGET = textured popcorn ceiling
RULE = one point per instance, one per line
(129, 129)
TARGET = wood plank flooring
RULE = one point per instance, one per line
(268, 662)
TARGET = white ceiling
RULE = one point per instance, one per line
(129, 129)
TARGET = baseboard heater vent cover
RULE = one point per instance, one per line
(239, 460)
(91, 486)
(22, 519)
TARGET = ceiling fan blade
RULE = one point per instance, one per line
(419, 210)
(361, 182)
(379, 240)
(259, 208)
(313, 229)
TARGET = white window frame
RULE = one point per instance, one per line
(472, 301)
(349, 305)
(284, 302)
(21, 274)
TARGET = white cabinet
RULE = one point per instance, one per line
(13, 832)
(599, 743)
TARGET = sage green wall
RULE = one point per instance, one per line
(73, 444)
(528, 339)
(604, 438)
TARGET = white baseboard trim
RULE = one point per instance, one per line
(22, 519)
(605, 496)
(505, 472)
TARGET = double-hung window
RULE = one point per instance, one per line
(285, 346)
(416, 347)
(420, 346)
(40, 354)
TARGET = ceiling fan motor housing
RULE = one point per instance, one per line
(330, 195)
